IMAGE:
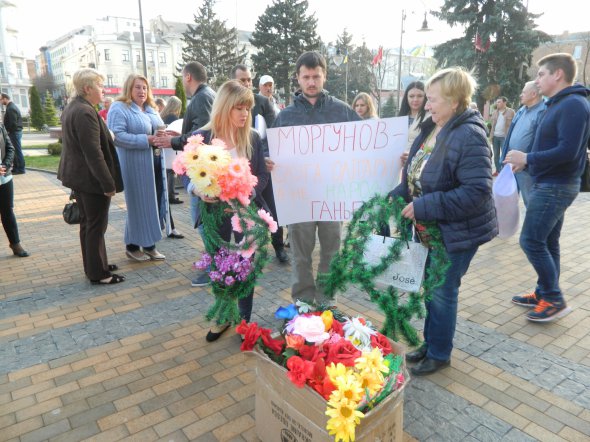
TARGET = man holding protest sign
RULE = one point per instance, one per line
(313, 105)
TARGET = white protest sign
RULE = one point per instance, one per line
(325, 172)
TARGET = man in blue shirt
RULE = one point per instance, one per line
(555, 164)
(522, 132)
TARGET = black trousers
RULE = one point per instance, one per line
(94, 219)
(7, 212)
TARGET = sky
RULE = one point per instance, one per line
(377, 22)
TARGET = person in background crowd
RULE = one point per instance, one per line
(501, 121)
(231, 123)
(198, 111)
(521, 133)
(90, 167)
(105, 110)
(313, 105)
(363, 105)
(413, 104)
(555, 163)
(448, 180)
(266, 86)
(170, 114)
(134, 121)
(7, 195)
(13, 123)
(160, 104)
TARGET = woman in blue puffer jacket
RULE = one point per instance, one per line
(448, 179)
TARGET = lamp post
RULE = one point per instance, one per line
(145, 73)
(338, 59)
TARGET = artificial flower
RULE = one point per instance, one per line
(319, 380)
(299, 370)
(251, 334)
(337, 328)
(247, 252)
(310, 352)
(310, 327)
(337, 370)
(343, 419)
(269, 220)
(237, 225)
(372, 361)
(275, 345)
(295, 342)
(303, 307)
(370, 381)
(382, 343)
(358, 332)
(328, 318)
(288, 312)
(347, 387)
(344, 352)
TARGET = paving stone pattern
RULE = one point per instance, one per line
(129, 361)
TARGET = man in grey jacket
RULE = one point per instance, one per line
(313, 105)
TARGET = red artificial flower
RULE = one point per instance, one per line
(319, 379)
(381, 342)
(295, 341)
(337, 328)
(299, 370)
(251, 334)
(275, 345)
(310, 352)
(344, 352)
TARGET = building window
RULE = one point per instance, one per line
(24, 100)
(164, 81)
(107, 55)
(151, 57)
(109, 81)
(2, 73)
(153, 81)
(126, 55)
(163, 57)
(577, 52)
(138, 55)
(19, 70)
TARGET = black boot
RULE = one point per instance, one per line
(417, 355)
(429, 366)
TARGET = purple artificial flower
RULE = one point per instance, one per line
(215, 276)
(229, 281)
(203, 263)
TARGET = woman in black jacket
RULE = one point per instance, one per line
(448, 179)
(7, 195)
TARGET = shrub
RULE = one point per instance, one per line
(54, 149)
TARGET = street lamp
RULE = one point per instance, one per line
(145, 73)
(424, 28)
(338, 59)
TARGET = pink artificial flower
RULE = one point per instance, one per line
(268, 219)
(310, 327)
(217, 142)
(195, 139)
(237, 226)
(247, 253)
(179, 164)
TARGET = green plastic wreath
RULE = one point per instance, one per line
(225, 308)
(348, 266)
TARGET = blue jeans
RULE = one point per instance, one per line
(540, 233)
(441, 310)
(18, 164)
(525, 183)
(497, 143)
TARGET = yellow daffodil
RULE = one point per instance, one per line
(343, 419)
(372, 361)
(328, 318)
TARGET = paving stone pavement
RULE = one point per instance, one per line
(129, 362)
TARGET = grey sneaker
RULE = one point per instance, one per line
(201, 280)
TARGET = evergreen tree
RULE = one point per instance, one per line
(282, 33)
(49, 112)
(37, 117)
(499, 39)
(389, 109)
(179, 92)
(212, 44)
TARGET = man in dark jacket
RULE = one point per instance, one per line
(313, 105)
(13, 123)
(555, 164)
(264, 108)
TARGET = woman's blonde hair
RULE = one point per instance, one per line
(85, 77)
(371, 111)
(128, 88)
(173, 107)
(230, 95)
(456, 85)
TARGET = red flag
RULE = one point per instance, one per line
(379, 57)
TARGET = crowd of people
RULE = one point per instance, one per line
(448, 168)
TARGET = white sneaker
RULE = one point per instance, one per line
(154, 254)
(137, 255)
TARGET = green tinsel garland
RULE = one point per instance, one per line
(225, 308)
(349, 266)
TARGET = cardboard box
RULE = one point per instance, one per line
(286, 413)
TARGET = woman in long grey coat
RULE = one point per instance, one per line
(134, 122)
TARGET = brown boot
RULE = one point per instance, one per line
(18, 250)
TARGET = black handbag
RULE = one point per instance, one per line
(585, 185)
(71, 212)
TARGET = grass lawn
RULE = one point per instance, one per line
(45, 162)
(36, 146)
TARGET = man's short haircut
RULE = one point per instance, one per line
(504, 99)
(532, 85)
(197, 71)
(236, 68)
(562, 61)
(311, 60)
(5, 96)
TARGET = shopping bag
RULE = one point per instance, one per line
(505, 192)
(407, 273)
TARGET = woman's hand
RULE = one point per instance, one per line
(404, 157)
(109, 193)
(205, 198)
(270, 164)
(408, 212)
(2, 170)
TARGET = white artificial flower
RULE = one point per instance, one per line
(358, 333)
